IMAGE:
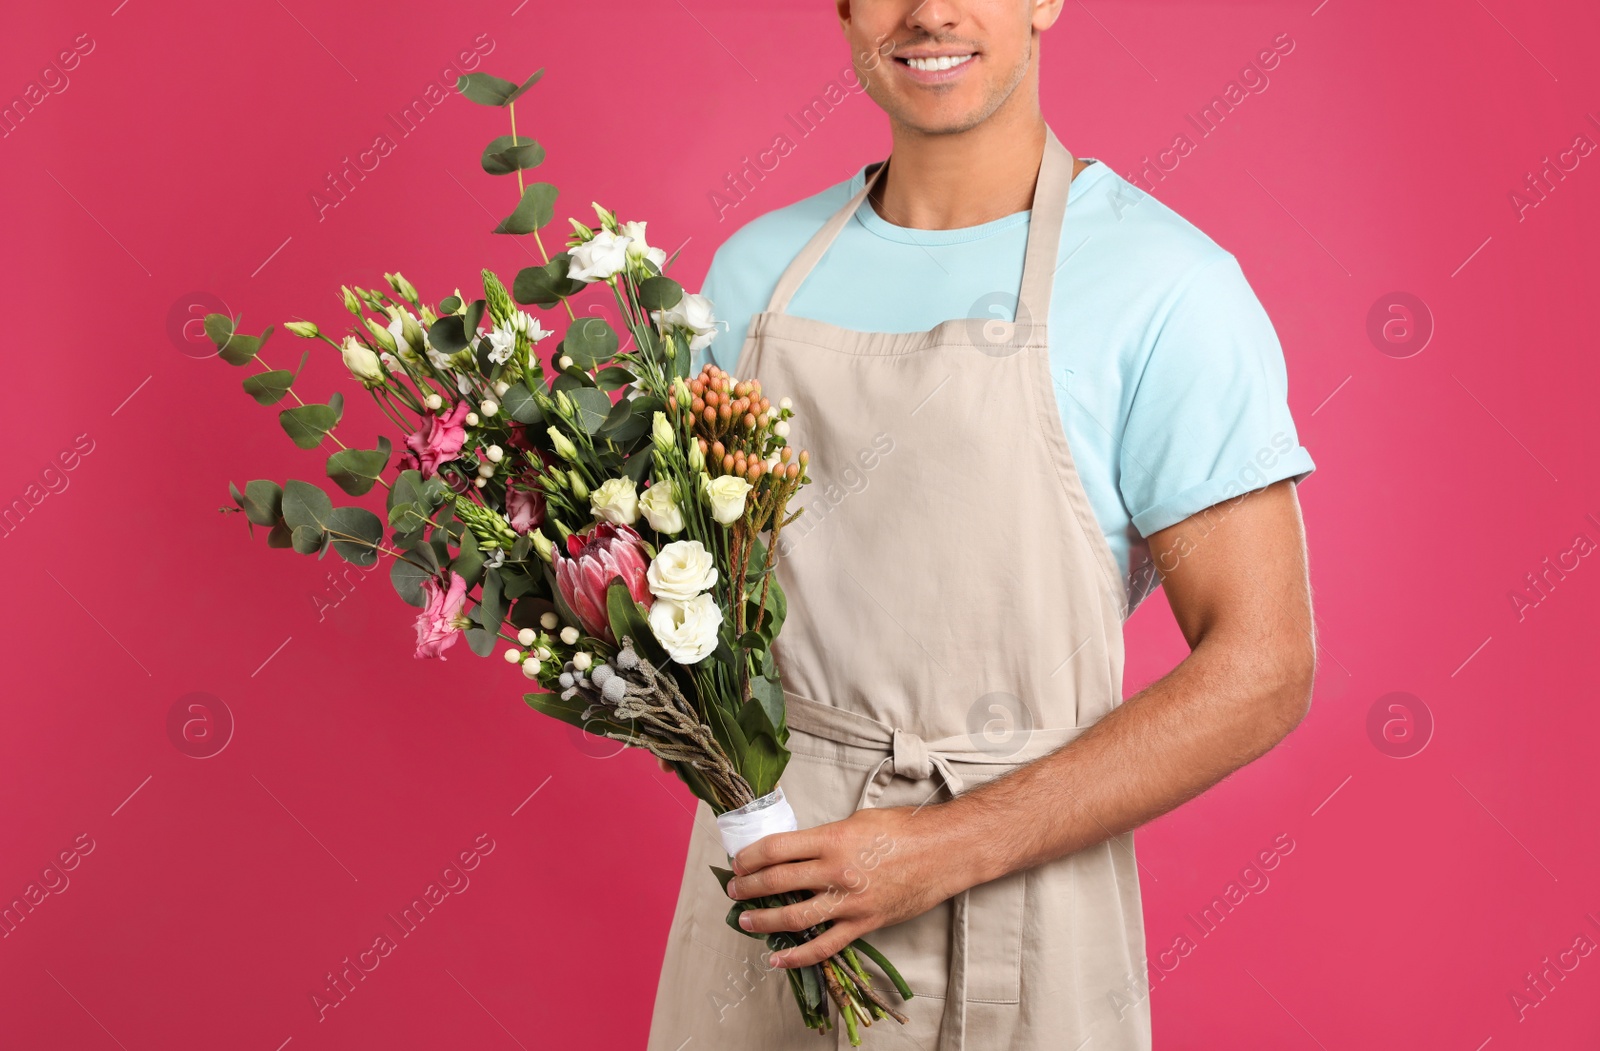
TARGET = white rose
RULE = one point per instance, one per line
(660, 508)
(686, 630)
(681, 570)
(615, 501)
(597, 259)
(693, 313)
(726, 493)
(634, 231)
(361, 361)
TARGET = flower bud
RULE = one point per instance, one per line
(433, 401)
(362, 362)
(383, 336)
(661, 432)
(569, 635)
(489, 408)
(563, 405)
(579, 490)
(513, 656)
(581, 661)
(530, 668)
(495, 453)
(697, 459)
(472, 419)
(526, 636)
(544, 548)
(303, 329)
(548, 620)
(351, 303)
(402, 287)
(563, 446)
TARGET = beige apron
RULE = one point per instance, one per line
(953, 611)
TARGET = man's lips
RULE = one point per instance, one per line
(930, 67)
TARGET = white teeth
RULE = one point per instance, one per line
(934, 64)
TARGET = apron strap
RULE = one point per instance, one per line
(1044, 234)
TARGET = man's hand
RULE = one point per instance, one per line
(1235, 576)
(874, 868)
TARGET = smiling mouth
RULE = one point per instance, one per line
(936, 63)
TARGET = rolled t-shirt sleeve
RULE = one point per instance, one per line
(1209, 417)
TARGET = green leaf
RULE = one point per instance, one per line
(590, 341)
(534, 211)
(448, 334)
(449, 305)
(518, 404)
(407, 580)
(281, 535)
(307, 425)
(357, 470)
(508, 154)
(638, 465)
(546, 285)
(307, 540)
(305, 505)
(486, 90)
(473, 318)
(571, 713)
(614, 378)
(262, 501)
(360, 523)
(660, 293)
(469, 563)
(233, 346)
(489, 90)
(269, 388)
(592, 407)
(624, 428)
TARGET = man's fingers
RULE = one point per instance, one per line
(831, 941)
(780, 846)
(776, 879)
(666, 767)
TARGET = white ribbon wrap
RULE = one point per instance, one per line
(759, 817)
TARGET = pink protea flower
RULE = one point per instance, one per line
(440, 622)
(592, 560)
(436, 442)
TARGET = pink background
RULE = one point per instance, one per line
(178, 163)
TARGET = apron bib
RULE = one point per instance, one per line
(954, 611)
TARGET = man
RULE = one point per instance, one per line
(996, 487)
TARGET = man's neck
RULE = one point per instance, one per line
(944, 182)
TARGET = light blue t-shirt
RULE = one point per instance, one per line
(1168, 374)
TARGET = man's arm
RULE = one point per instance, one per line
(1235, 577)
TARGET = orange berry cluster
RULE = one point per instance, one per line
(734, 426)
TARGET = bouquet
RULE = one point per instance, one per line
(607, 516)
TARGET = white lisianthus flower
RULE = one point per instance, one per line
(600, 258)
(726, 493)
(440, 360)
(615, 501)
(681, 570)
(639, 249)
(693, 314)
(361, 361)
(661, 509)
(686, 630)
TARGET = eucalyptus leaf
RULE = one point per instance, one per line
(592, 407)
(262, 501)
(660, 293)
(307, 540)
(269, 388)
(356, 471)
(307, 425)
(473, 318)
(545, 285)
(486, 90)
(590, 341)
(448, 334)
(533, 211)
(407, 579)
(361, 524)
(614, 378)
(508, 154)
(519, 404)
(305, 504)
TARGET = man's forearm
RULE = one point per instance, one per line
(1224, 706)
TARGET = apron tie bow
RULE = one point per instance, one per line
(910, 754)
